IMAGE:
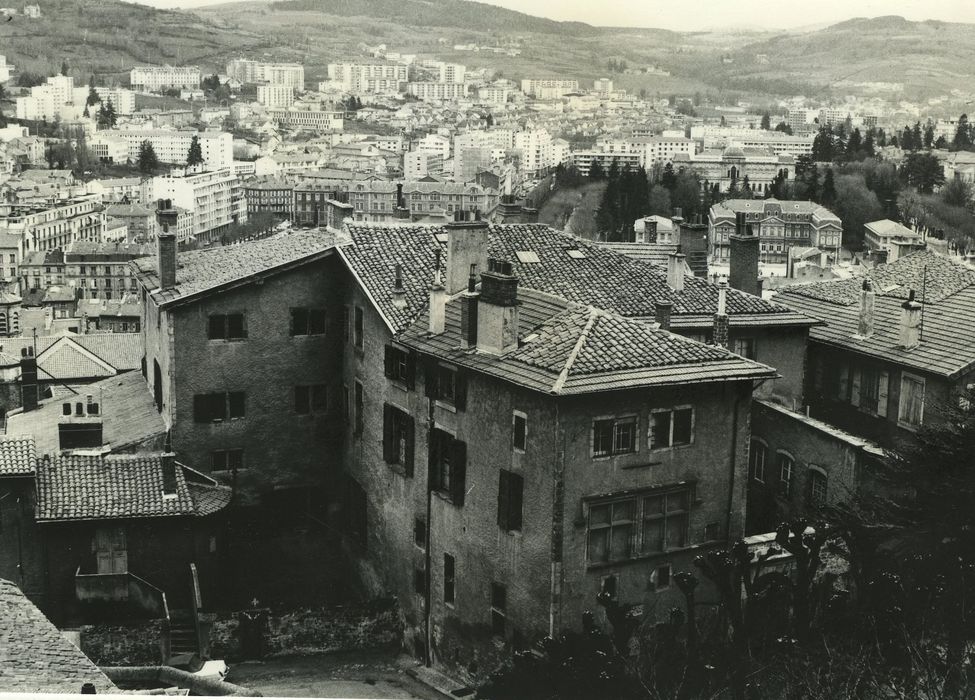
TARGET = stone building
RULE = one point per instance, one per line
(734, 163)
(779, 225)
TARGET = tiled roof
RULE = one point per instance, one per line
(571, 349)
(947, 344)
(597, 277)
(129, 415)
(208, 499)
(728, 207)
(35, 657)
(64, 360)
(76, 487)
(121, 351)
(652, 253)
(933, 278)
(201, 271)
(17, 456)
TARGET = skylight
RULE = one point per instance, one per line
(527, 256)
(441, 237)
(576, 253)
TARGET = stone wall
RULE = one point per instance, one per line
(136, 644)
(312, 631)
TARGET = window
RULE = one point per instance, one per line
(307, 321)
(420, 533)
(520, 431)
(609, 587)
(448, 466)
(744, 347)
(665, 517)
(869, 389)
(400, 365)
(358, 409)
(446, 384)
(398, 436)
(419, 581)
(613, 436)
(209, 408)
(346, 325)
(910, 412)
(227, 327)
(712, 532)
(448, 579)
(757, 456)
(357, 331)
(510, 497)
(671, 428)
(817, 486)
(311, 399)
(499, 606)
(226, 460)
(786, 466)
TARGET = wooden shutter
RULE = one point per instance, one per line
(503, 501)
(389, 364)
(389, 434)
(201, 408)
(844, 377)
(433, 460)
(460, 390)
(855, 387)
(431, 378)
(516, 485)
(411, 369)
(409, 427)
(458, 472)
(883, 382)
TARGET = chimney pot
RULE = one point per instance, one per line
(662, 312)
(675, 271)
(867, 306)
(910, 330)
(28, 381)
(168, 462)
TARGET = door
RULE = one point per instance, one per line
(110, 551)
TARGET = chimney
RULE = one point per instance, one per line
(675, 271)
(721, 321)
(399, 292)
(468, 312)
(497, 313)
(677, 219)
(867, 302)
(168, 463)
(650, 230)
(438, 300)
(662, 311)
(910, 323)
(743, 274)
(467, 244)
(28, 380)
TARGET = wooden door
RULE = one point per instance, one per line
(110, 550)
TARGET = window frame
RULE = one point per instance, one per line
(817, 475)
(305, 321)
(224, 320)
(227, 400)
(449, 579)
(616, 422)
(784, 484)
(672, 411)
(515, 417)
(511, 500)
(902, 401)
(226, 453)
(752, 471)
(315, 399)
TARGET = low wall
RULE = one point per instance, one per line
(135, 644)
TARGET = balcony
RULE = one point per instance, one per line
(126, 589)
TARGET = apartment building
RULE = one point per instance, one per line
(437, 92)
(173, 146)
(55, 224)
(214, 198)
(309, 116)
(548, 88)
(155, 78)
(540, 151)
(417, 165)
(367, 77)
(5, 69)
(452, 72)
(102, 270)
(275, 95)
(632, 152)
(711, 136)
(287, 74)
(270, 195)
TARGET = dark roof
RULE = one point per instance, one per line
(129, 415)
(34, 656)
(63, 357)
(202, 271)
(947, 346)
(568, 348)
(17, 456)
(209, 498)
(597, 277)
(105, 487)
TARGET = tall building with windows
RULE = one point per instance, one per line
(155, 78)
(548, 88)
(247, 71)
(368, 77)
(214, 198)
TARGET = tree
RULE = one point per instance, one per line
(957, 193)
(941, 142)
(147, 162)
(93, 97)
(824, 145)
(659, 202)
(916, 138)
(65, 68)
(686, 194)
(766, 121)
(963, 135)
(827, 195)
(784, 128)
(923, 171)
(854, 145)
(855, 205)
(668, 178)
(195, 155)
(107, 118)
(929, 136)
(596, 172)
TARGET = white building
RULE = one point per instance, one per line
(275, 95)
(548, 88)
(539, 151)
(247, 71)
(709, 136)
(417, 165)
(174, 146)
(452, 73)
(603, 87)
(54, 224)
(108, 148)
(5, 69)
(436, 92)
(155, 78)
(434, 143)
(494, 95)
(123, 100)
(370, 77)
(215, 198)
(308, 116)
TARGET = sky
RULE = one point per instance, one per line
(688, 15)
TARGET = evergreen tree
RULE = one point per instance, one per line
(929, 136)
(827, 195)
(868, 145)
(823, 145)
(147, 162)
(746, 188)
(917, 139)
(110, 115)
(668, 179)
(93, 97)
(963, 135)
(766, 121)
(784, 128)
(941, 142)
(195, 155)
(907, 139)
(853, 145)
(64, 67)
(596, 172)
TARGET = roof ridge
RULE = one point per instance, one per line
(593, 313)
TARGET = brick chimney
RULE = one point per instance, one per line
(677, 219)
(497, 312)
(28, 380)
(166, 243)
(721, 321)
(467, 244)
(438, 300)
(675, 271)
(743, 275)
(868, 299)
(399, 291)
(662, 310)
(910, 323)
(468, 312)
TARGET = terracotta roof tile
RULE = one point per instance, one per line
(17, 456)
